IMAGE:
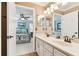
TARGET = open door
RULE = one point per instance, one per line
(11, 29)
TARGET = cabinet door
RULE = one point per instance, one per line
(37, 46)
(58, 53)
(41, 47)
(47, 53)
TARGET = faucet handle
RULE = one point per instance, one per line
(73, 36)
(65, 38)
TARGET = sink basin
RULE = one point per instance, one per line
(62, 43)
(75, 40)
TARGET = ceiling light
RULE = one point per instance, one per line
(22, 19)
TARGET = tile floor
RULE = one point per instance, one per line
(24, 48)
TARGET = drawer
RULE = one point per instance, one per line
(58, 53)
(48, 47)
(47, 53)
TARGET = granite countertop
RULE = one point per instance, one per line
(70, 48)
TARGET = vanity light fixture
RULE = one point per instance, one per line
(55, 7)
(51, 8)
(45, 12)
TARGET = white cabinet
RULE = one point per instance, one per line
(58, 53)
(39, 47)
(45, 49)
(47, 52)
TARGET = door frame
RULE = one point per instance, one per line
(34, 22)
(3, 28)
(0, 28)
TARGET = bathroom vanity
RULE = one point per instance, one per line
(49, 46)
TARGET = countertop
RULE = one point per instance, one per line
(70, 48)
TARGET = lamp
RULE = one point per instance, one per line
(22, 19)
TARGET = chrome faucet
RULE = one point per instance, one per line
(73, 36)
(67, 39)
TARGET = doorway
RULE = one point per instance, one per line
(24, 30)
(8, 17)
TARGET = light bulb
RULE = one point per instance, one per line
(49, 12)
(48, 9)
(52, 10)
(22, 19)
(45, 12)
(55, 7)
(52, 6)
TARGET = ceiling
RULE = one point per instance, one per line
(41, 3)
(69, 5)
(23, 10)
(61, 8)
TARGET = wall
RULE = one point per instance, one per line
(20, 10)
(39, 9)
(0, 28)
(69, 23)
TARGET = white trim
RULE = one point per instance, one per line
(34, 19)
